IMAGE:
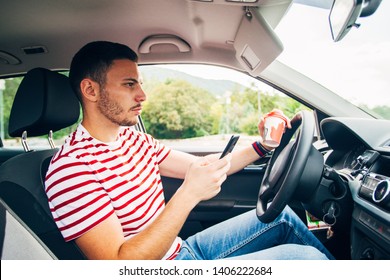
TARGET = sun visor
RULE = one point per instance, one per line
(256, 44)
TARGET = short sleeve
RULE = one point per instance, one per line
(161, 150)
(77, 200)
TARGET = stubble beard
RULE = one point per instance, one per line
(113, 111)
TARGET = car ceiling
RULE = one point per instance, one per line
(61, 27)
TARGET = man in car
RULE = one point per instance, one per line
(104, 185)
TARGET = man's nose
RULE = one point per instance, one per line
(141, 95)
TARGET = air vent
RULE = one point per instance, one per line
(34, 50)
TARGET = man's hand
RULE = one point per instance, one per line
(205, 177)
(260, 127)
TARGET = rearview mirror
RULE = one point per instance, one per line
(342, 17)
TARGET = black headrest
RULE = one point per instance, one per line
(44, 101)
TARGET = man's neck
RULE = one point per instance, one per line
(104, 132)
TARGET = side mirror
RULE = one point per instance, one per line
(342, 17)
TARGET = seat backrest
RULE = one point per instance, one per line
(44, 101)
(17, 241)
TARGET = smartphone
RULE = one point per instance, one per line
(230, 145)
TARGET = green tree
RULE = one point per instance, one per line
(176, 109)
(11, 86)
(243, 113)
(382, 111)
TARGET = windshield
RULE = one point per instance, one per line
(356, 68)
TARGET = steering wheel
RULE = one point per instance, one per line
(286, 167)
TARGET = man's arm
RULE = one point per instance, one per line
(242, 158)
(105, 241)
(176, 164)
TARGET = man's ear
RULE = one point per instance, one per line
(89, 89)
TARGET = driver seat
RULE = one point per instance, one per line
(44, 102)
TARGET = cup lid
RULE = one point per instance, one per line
(277, 113)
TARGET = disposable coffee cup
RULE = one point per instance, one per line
(274, 125)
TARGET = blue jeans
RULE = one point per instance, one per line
(245, 237)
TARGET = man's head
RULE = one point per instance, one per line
(106, 79)
(93, 61)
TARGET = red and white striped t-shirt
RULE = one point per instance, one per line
(89, 180)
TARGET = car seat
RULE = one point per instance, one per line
(44, 103)
(17, 241)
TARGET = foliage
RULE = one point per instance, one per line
(11, 86)
(253, 103)
(176, 109)
(383, 111)
(378, 111)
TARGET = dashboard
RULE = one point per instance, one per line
(360, 153)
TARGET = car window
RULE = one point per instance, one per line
(193, 106)
(187, 106)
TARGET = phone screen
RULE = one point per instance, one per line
(230, 145)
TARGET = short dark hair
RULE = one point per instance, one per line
(93, 61)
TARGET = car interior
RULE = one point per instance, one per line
(335, 160)
(52, 107)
